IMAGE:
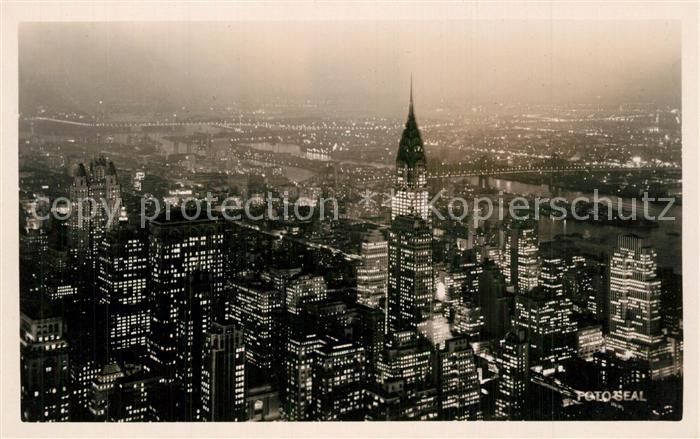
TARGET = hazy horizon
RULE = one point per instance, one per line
(349, 63)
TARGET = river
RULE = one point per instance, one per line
(666, 239)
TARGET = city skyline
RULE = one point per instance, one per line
(416, 362)
(181, 268)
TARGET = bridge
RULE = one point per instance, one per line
(223, 123)
(77, 123)
(454, 171)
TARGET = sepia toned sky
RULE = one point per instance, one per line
(358, 64)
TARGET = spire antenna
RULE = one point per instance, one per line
(411, 92)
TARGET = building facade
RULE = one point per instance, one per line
(44, 377)
(223, 377)
(122, 287)
(372, 273)
(635, 301)
(186, 266)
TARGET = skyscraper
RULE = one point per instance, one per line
(84, 366)
(459, 383)
(78, 223)
(552, 268)
(411, 277)
(519, 263)
(95, 197)
(253, 306)
(546, 320)
(44, 376)
(372, 275)
(635, 301)
(186, 276)
(299, 365)
(514, 379)
(95, 209)
(410, 274)
(411, 192)
(494, 303)
(339, 376)
(34, 245)
(60, 278)
(408, 357)
(223, 377)
(527, 258)
(463, 294)
(586, 285)
(121, 281)
(563, 326)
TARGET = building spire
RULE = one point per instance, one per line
(411, 145)
(410, 99)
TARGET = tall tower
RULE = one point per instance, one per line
(122, 289)
(186, 269)
(372, 274)
(93, 194)
(635, 300)
(299, 358)
(514, 381)
(520, 265)
(253, 306)
(411, 280)
(78, 226)
(95, 208)
(223, 377)
(410, 191)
